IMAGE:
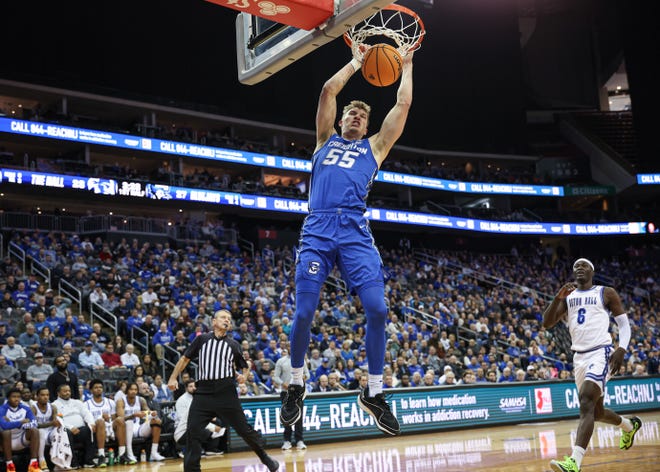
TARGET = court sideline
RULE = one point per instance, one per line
(524, 447)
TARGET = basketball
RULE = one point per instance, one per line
(382, 65)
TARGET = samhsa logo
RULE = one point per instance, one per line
(513, 404)
(543, 400)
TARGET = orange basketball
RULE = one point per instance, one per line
(382, 65)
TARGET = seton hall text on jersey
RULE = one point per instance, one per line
(582, 301)
(352, 146)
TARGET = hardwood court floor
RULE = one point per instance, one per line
(518, 448)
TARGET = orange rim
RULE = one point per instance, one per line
(405, 10)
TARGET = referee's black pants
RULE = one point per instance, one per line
(224, 405)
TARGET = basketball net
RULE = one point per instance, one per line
(396, 22)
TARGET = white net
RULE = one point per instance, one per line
(400, 24)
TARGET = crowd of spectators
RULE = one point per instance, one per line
(450, 312)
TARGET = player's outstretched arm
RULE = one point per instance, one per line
(395, 121)
(614, 304)
(326, 111)
(558, 308)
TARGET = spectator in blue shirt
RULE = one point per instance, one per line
(323, 369)
(263, 340)
(161, 392)
(272, 352)
(32, 284)
(135, 320)
(30, 339)
(507, 376)
(83, 328)
(47, 338)
(61, 304)
(21, 294)
(31, 303)
(67, 325)
(413, 366)
(162, 338)
(90, 359)
(53, 321)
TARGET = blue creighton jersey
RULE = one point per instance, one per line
(342, 174)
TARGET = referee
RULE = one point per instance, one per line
(216, 392)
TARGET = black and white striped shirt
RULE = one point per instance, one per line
(218, 360)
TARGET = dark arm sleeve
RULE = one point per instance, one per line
(193, 350)
(75, 393)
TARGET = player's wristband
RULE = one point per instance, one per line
(355, 64)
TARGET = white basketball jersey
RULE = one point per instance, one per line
(107, 405)
(132, 409)
(42, 417)
(588, 319)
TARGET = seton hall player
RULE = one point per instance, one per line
(587, 307)
(19, 430)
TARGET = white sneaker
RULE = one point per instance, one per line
(214, 453)
(286, 445)
(155, 457)
(300, 445)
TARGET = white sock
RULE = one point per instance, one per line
(101, 451)
(122, 450)
(297, 376)
(154, 449)
(129, 439)
(375, 384)
(626, 425)
(578, 454)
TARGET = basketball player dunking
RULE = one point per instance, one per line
(335, 231)
(588, 308)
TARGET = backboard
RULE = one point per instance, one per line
(264, 47)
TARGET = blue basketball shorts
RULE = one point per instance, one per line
(340, 237)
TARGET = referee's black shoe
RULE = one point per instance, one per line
(379, 409)
(272, 464)
(292, 404)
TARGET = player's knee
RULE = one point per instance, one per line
(375, 310)
(306, 303)
(587, 404)
(599, 409)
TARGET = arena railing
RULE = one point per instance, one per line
(129, 224)
(42, 271)
(422, 316)
(97, 312)
(483, 277)
(29, 221)
(72, 292)
(168, 353)
(143, 345)
(173, 354)
(337, 283)
(15, 251)
(464, 333)
(247, 245)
